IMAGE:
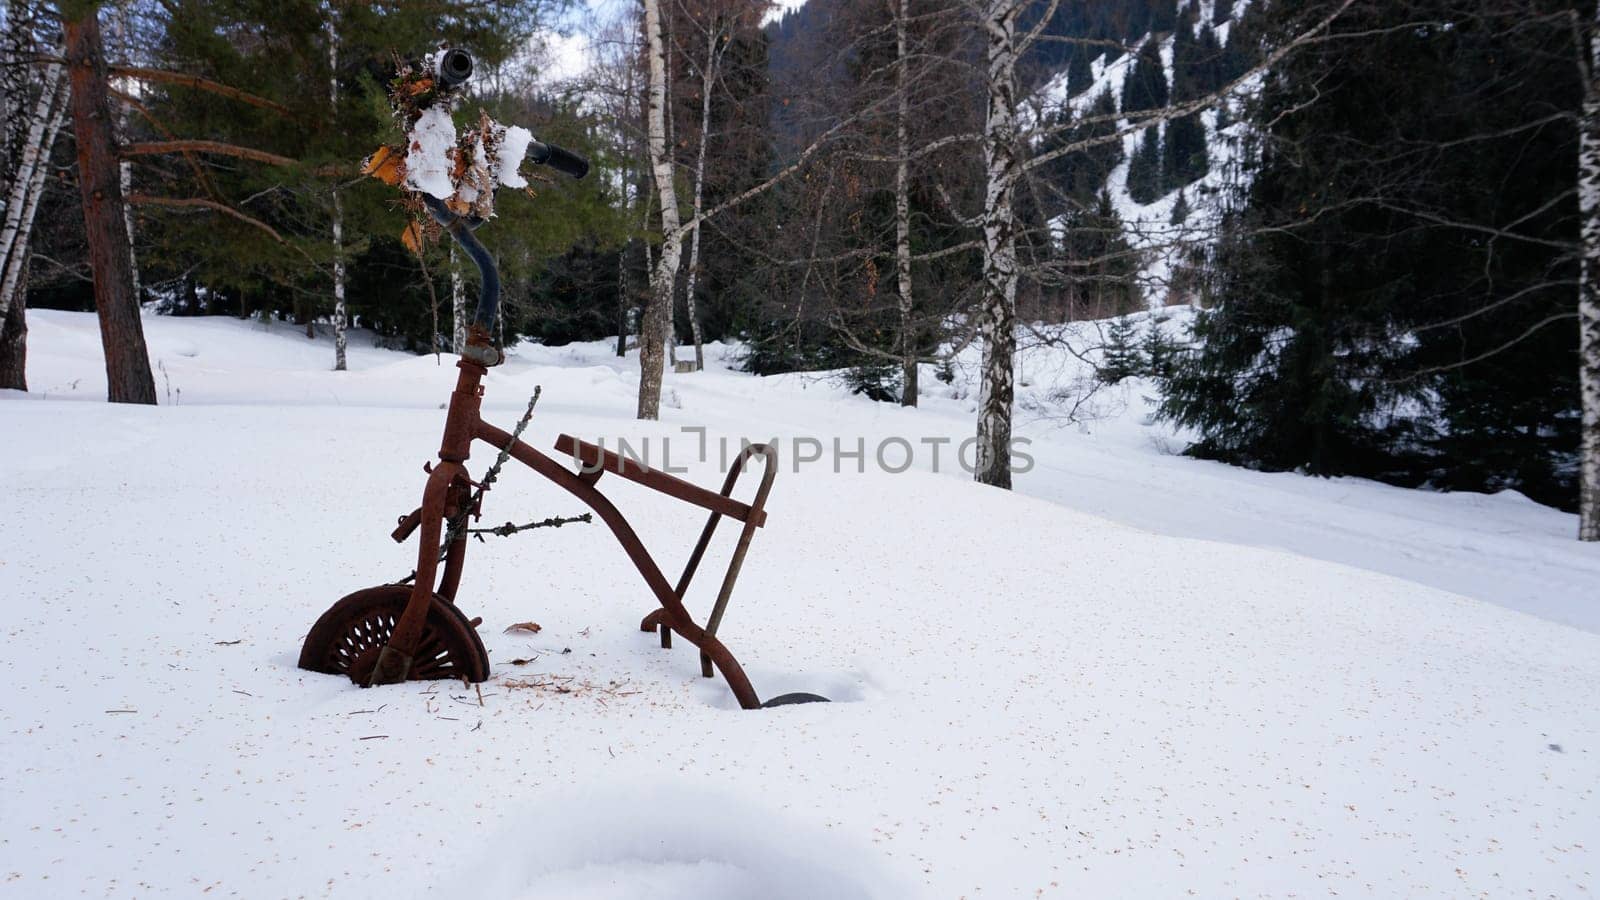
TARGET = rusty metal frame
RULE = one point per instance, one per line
(449, 487)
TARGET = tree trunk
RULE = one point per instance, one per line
(669, 329)
(124, 36)
(128, 377)
(340, 312)
(902, 216)
(997, 314)
(14, 343)
(708, 81)
(664, 274)
(623, 293)
(1589, 296)
(458, 305)
(22, 195)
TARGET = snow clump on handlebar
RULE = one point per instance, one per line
(461, 168)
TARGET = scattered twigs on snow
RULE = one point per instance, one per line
(567, 684)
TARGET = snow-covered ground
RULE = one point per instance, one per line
(1140, 675)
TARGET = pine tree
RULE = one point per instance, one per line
(1080, 75)
(1105, 265)
(1180, 210)
(1326, 350)
(1081, 175)
(1184, 159)
(1146, 85)
(1163, 16)
(1223, 11)
(1144, 169)
(1120, 357)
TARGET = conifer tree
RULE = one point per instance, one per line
(1080, 75)
(1180, 210)
(1146, 85)
(1184, 158)
(1362, 325)
(1144, 169)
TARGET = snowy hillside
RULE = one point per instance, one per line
(1149, 226)
(1144, 676)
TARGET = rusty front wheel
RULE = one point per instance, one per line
(350, 635)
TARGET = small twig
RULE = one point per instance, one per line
(122, 710)
(229, 643)
(246, 693)
(374, 737)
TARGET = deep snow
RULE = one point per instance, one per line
(1122, 685)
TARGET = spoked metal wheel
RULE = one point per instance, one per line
(349, 636)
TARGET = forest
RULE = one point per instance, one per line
(1382, 210)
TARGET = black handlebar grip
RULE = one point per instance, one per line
(560, 159)
(454, 67)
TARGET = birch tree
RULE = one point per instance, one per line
(710, 70)
(458, 305)
(31, 125)
(340, 313)
(997, 305)
(1589, 288)
(664, 270)
(902, 209)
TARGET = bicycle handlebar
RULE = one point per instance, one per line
(453, 67)
(558, 158)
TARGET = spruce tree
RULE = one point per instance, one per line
(1081, 175)
(1348, 300)
(1163, 16)
(1180, 210)
(1105, 266)
(1146, 84)
(1184, 158)
(1144, 169)
(1120, 357)
(1080, 75)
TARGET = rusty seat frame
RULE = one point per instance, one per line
(449, 490)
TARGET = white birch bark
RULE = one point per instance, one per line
(708, 82)
(458, 305)
(670, 328)
(340, 312)
(664, 273)
(1589, 294)
(902, 213)
(122, 34)
(997, 313)
(22, 200)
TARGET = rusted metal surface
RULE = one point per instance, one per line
(350, 636)
(592, 458)
(405, 648)
(395, 632)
